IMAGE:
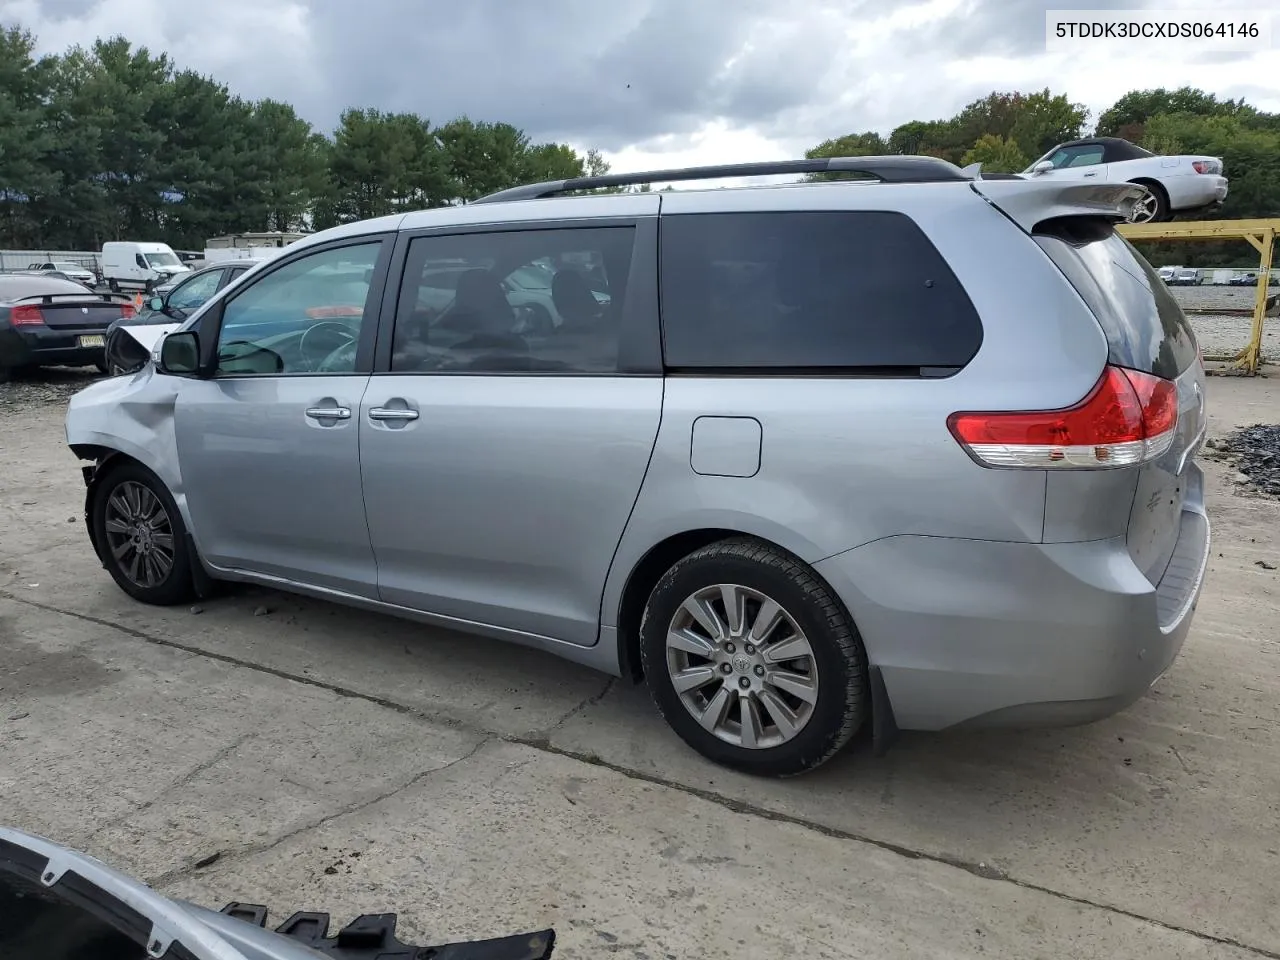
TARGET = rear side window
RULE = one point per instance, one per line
(851, 290)
(1145, 328)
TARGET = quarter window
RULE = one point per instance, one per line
(503, 302)
(304, 317)
(1083, 156)
(862, 290)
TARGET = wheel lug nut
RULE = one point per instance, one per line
(744, 682)
(729, 648)
(749, 649)
(726, 668)
(759, 671)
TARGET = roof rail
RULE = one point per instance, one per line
(892, 169)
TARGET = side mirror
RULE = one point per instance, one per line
(1042, 166)
(179, 353)
(155, 304)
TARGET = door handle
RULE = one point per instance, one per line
(1093, 174)
(398, 414)
(329, 413)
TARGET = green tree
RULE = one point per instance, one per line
(484, 157)
(296, 161)
(131, 88)
(996, 154)
(1127, 116)
(868, 144)
(74, 211)
(25, 144)
(929, 138)
(384, 163)
(1045, 120)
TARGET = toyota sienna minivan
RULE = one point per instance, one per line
(911, 449)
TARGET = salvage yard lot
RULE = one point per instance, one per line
(334, 760)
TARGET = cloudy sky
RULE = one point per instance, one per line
(655, 83)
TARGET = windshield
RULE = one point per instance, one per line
(162, 260)
(65, 266)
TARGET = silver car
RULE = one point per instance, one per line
(809, 459)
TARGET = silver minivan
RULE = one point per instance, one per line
(808, 459)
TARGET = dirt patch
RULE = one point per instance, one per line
(1255, 453)
(30, 670)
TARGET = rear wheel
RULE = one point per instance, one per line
(752, 661)
(142, 538)
(1154, 207)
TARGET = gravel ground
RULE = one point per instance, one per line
(1255, 453)
(52, 385)
(1220, 335)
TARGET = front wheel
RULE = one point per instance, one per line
(752, 660)
(141, 536)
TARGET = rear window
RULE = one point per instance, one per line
(858, 290)
(1145, 328)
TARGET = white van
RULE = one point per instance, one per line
(129, 265)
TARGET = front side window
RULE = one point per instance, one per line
(841, 290)
(304, 317)
(194, 292)
(545, 300)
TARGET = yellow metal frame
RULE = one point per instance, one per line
(1260, 234)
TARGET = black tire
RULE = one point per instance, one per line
(101, 366)
(838, 657)
(113, 286)
(177, 586)
(1162, 213)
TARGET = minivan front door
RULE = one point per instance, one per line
(505, 436)
(268, 448)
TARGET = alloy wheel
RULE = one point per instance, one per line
(1144, 210)
(742, 666)
(139, 534)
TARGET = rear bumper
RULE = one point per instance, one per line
(1195, 191)
(45, 346)
(981, 633)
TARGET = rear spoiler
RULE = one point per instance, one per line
(1029, 202)
(47, 299)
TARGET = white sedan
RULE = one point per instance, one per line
(1175, 185)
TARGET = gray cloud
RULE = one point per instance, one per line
(1002, 28)
(644, 74)
(576, 69)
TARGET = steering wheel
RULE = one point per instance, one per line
(344, 334)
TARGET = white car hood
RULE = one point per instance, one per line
(149, 334)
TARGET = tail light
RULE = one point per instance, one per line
(1128, 418)
(26, 316)
(126, 310)
(1206, 166)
